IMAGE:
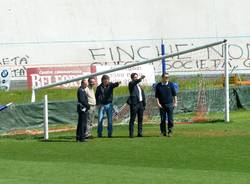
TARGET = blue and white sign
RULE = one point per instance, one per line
(2, 107)
(5, 74)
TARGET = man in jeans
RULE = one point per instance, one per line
(166, 101)
(104, 98)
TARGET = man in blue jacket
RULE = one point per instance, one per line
(104, 98)
(166, 101)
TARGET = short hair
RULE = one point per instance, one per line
(91, 79)
(163, 74)
(105, 77)
(133, 75)
(83, 80)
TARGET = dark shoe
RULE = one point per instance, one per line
(110, 136)
(139, 135)
(131, 134)
(163, 134)
(100, 136)
(80, 140)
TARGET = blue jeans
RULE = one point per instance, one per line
(108, 108)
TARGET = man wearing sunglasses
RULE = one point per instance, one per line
(166, 101)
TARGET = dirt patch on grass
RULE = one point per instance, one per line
(38, 132)
(213, 133)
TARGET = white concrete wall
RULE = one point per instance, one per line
(48, 32)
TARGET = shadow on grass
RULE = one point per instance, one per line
(73, 139)
(22, 137)
(57, 140)
(210, 121)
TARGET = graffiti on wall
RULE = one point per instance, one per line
(209, 58)
(17, 65)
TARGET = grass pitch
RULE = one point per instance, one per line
(197, 153)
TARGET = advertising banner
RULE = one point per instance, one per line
(124, 75)
(38, 77)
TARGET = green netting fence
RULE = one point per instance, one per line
(30, 116)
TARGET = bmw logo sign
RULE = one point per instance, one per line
(4, 73)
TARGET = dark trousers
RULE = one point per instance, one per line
(81, 126)
(136, 109)
(166, 112)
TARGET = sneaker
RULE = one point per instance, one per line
(170, 134)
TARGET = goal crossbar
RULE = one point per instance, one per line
(34, 89)
(130, 65)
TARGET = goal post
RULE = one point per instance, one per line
(226, 82)
(46, 118)
(158, 59)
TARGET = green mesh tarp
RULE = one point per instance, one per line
(242, 96)
(21, 116)
(27, 116)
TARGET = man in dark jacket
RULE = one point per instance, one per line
(166, 100)
(82, 109)
(137, 104)
(104, 98)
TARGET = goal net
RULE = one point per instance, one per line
(199, 77)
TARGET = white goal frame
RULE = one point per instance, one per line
(226, 81)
